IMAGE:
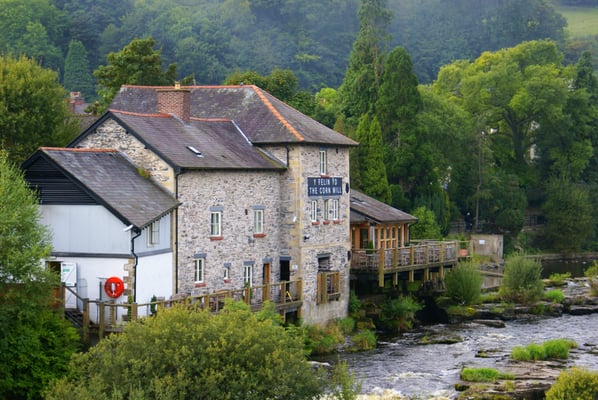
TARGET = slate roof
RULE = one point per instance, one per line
(221, 145)
(365, 208)
(260, 116)
(113, 181)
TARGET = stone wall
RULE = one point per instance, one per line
(236, 193)
(110, 135)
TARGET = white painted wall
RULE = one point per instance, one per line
(154, 277)
(85, 229)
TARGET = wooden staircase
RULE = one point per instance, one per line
(74, 316)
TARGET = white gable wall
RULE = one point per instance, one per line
(85, 229)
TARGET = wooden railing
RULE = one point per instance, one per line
(418, 255)
(108, 316)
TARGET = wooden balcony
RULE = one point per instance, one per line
(418, 256)
(103, 317)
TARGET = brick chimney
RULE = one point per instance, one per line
(175, 101)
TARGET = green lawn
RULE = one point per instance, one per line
(582, 21)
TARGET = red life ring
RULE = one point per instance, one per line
(114, 287)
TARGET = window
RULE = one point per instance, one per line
(258, 221)
(333, 210)
(227, 272)
(326, 210)
(153, 234)
(216, 223)
(323, 162)
(248, 275)
(199, 270)
(314, 211)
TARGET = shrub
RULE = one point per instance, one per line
(557, 279)
(323, 339)
(354, 303)
(182, 354)
(399, 314)
(554, 296)
(592, 274)
(346, 325)
(464, 284)
(522, 281)
(364, 340)
(575, 383)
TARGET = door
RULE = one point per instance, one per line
(266, 280)
(68, 276)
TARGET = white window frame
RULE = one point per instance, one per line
(248, 275)
(258, 221)
(326, 209)
(323, 162)
(334, 209)
(216, 223)
(153, 234)
(226, 272)
(200, 270)
(314, 211)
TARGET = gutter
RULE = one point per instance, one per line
(137, 234)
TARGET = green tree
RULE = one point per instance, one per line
(426, 227)
(35, 342)
(194, 354)
(371, 159)
(399, 100)
(77, 75)
(33, 112)
(566, 232)
(34, 28)
(359, 91)
(136, 64)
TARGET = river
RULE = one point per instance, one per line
(400, 365)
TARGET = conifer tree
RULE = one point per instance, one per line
(371, 159)
(399, 100)
(77, 74)
(359, 91)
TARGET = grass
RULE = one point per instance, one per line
(582, 21)
(551, 349)
(483, 375)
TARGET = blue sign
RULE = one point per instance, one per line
(326, 187)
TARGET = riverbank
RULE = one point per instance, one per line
(426, 363)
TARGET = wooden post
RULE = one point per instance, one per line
(412, 275)
(102, 322)
(381, 269)
(134, 311)
(299, 291)
(86, 321)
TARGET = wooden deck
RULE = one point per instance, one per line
(418, 257)
(104, 317)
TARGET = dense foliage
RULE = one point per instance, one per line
(35, 341)
(574, 383)
(210, 39)
(194, 354)
(32, 108)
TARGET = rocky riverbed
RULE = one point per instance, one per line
(484, 338)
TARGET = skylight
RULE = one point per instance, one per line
(195, 151)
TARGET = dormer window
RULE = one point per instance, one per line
(323, 162)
